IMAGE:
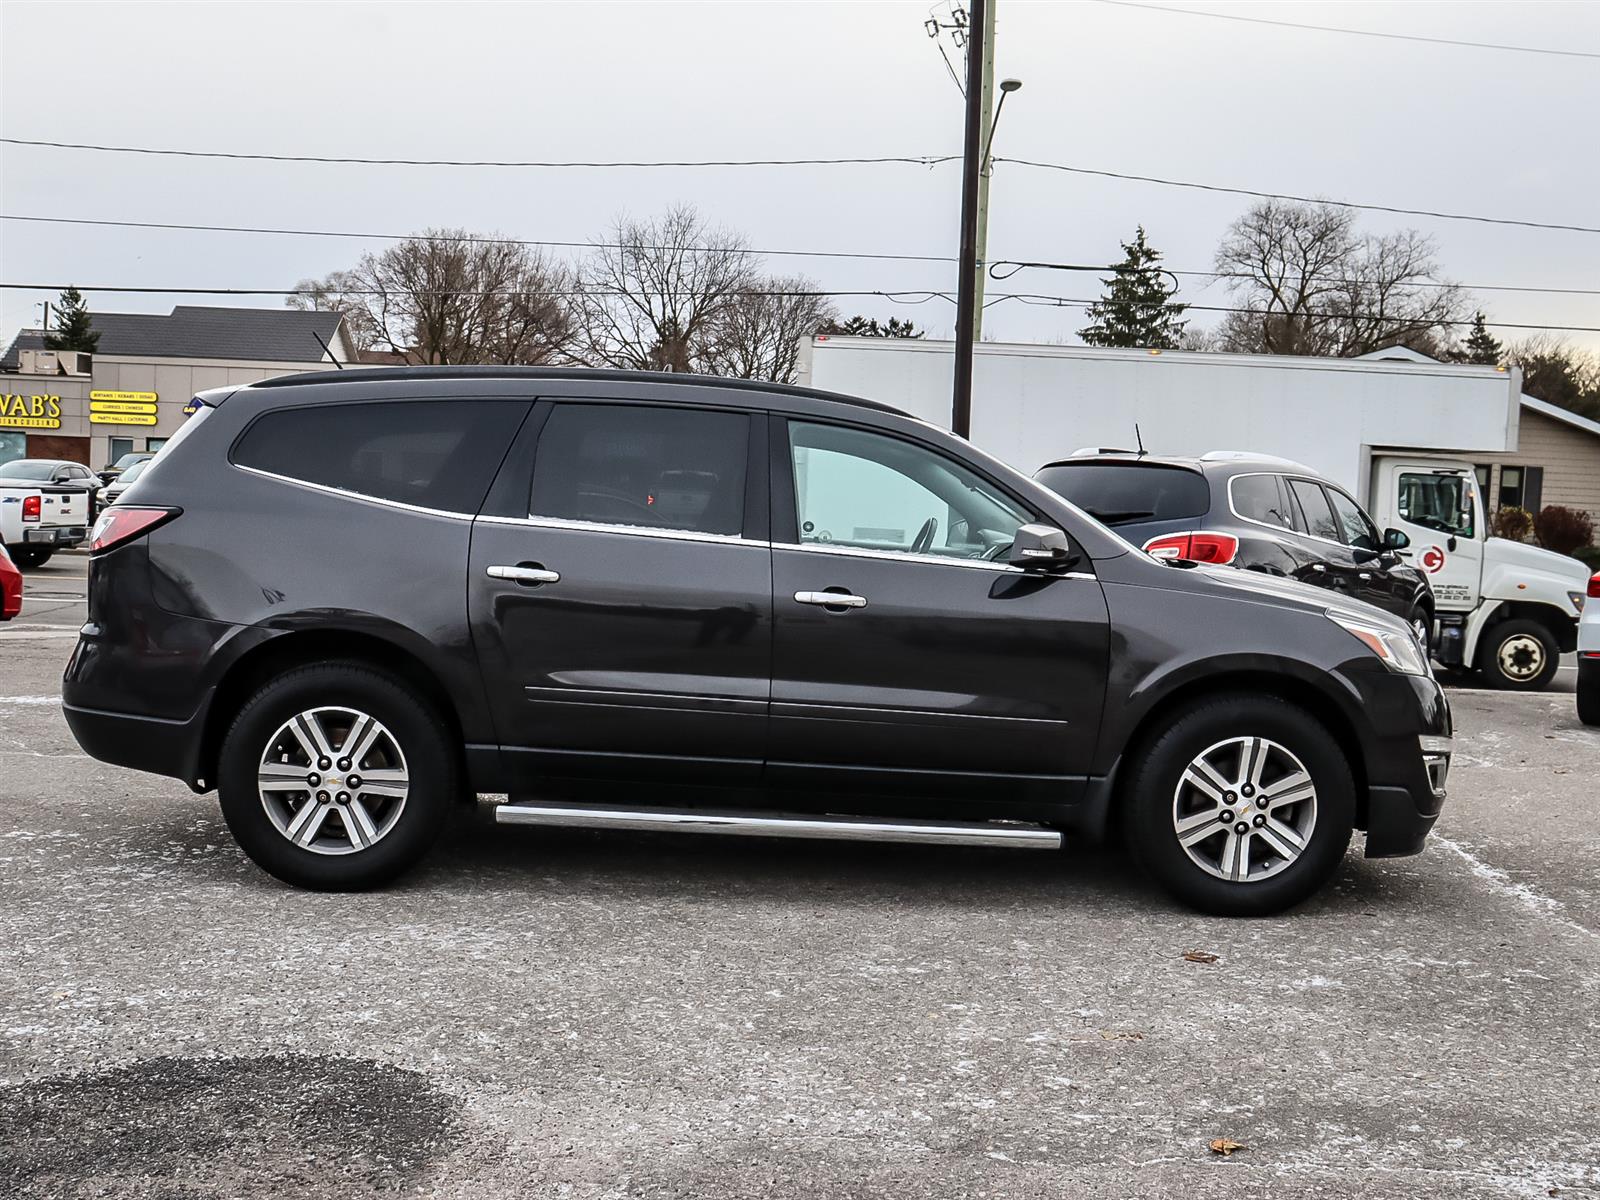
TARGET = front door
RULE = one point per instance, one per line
(906, 651)
(1437, 510)
(1375, 582)
(622, 604)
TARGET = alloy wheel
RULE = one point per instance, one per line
(333, 780)
(1244, 809)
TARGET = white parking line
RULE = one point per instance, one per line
(30, 699)
(1540, 905)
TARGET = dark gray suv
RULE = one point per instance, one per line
(349, 602)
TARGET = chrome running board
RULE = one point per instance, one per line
(749, 824)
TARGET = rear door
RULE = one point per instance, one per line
(940, 666)
(620, 591)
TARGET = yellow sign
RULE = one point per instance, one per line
(30, 412)
(146, 397)
(121, 419)
(120, 406)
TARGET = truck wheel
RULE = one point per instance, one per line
(336, 777)
(1519, 656)
(28, 557)
(1241, 806)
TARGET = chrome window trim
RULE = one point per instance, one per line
(1279, 528)
(675, 535)
(345, 494)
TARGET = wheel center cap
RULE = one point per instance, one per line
(335, 782)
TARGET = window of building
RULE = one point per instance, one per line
(1522, 487)
(432, 453)
(654, 467)
(872, 491)
(1311, 507)
(154, 443)
(119, 447)
(1260, 498)
(1482, 472)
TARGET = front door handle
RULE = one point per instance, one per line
(1364, 576)
(831, 599)
(529, 575)
(1318, 568)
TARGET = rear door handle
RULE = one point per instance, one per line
(528, 576)
(831, 599)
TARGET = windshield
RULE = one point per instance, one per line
(1442, 503)
(1124, 493)
(28, 468)
(127, 460)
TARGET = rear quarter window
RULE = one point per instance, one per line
(1129, 493)
(1260, 498)
(431, 453)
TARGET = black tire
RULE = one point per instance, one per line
(28, 557)
(1589, 692)
(1150, 799)
(1420, 616)
(430, 752)
(1506, 646)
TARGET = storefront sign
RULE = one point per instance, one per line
(98, 418)
(121, 406)
(144, 397)
(30, 412)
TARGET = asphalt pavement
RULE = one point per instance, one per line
(546, 1013)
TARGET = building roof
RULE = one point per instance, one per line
(1556, 413)
(198, 331)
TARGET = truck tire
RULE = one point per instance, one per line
(1216, 816)
(1518, 656)
(28, 557)
(317, 817)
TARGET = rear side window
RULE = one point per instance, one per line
(1122, 494)
(432, 453)
(1260, 498)
(1316, 518)
(657, 468)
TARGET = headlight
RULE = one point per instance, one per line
(1577, 599)
(1399, 650)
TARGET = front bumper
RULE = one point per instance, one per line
(1408, 773)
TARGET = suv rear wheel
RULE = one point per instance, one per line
(336, 777)
(1242, 806)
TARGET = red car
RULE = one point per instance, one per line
(10, 587)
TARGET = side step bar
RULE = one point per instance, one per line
(749, 824)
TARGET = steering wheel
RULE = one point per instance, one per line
(924, 538)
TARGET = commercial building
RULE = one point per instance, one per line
(131, 392)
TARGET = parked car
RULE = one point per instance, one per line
(1252, 511)
(10, 587)
(38, 517)
(109, 474)
(637, 601)
(1589, 656)
(113, 490)
(58, 472)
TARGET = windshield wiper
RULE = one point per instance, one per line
(1114, 515)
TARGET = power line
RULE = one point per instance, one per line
(912, 160)
(1260, 195)
(1371, 33)
(898, 297)
(476, 239)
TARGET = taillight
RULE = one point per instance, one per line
(1198, 547)
(1594, 586)
(118, 524)
(32, 508)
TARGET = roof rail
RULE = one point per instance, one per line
(1253, 456)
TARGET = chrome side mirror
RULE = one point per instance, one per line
(1040, 546)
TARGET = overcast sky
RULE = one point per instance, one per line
(1107, 87)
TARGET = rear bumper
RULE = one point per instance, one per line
(62, 537)
(154, 744)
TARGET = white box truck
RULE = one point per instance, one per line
(1397, 430)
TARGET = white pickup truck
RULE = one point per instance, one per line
(37, 519)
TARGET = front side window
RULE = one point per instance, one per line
(1260, 498)
(431, 453)
(654, 467)
(1311, 505)
(1442, 503)
(1358, 530)
(874, 492)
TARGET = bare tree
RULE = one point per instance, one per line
(1309, 284)
(339, 293)
(452, 297)
(757, 335)
(649, 299)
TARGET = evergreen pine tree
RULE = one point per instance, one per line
(73, 329)
(1137, 309)
(859, 326)
(1482, 346)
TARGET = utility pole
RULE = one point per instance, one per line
(985, 167)
(981, 26)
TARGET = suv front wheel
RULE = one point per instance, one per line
(1242, 806)
(336, 777)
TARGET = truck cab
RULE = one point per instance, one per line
(1505, 609)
